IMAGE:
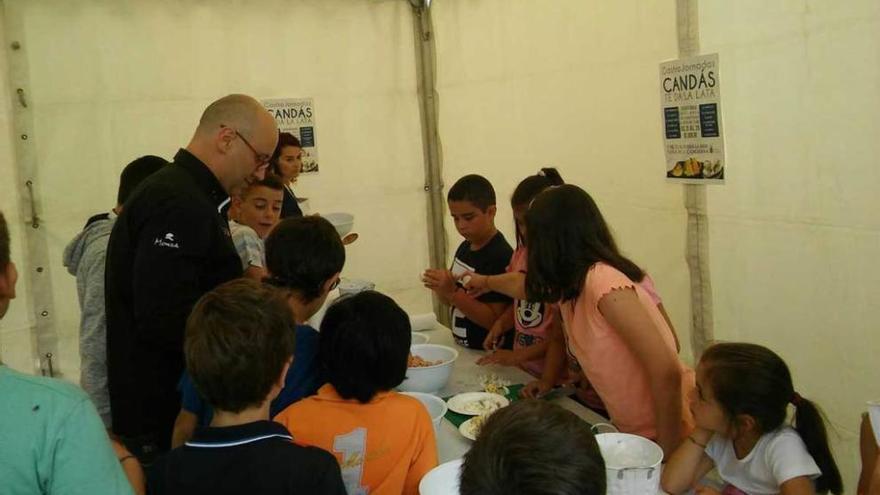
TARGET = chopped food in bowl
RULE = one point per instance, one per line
(429, 368)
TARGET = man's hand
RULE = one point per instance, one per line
(440, 281)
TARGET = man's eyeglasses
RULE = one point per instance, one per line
(262, 158)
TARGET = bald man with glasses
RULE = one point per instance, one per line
(171, 245)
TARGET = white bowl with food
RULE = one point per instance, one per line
(429, 368)
(342, 222)
(420, 338)
(442, 480)
(435, 406)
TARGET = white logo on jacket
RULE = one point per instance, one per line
(166, 241)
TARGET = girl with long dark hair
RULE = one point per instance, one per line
(620, 338)
(740, 407)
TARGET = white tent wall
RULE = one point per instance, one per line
(16, 338)
(573, 84)
(795, 232)
(113, 80)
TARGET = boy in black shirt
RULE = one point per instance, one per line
(471, 203)
(239, 343)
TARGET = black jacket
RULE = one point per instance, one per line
(169, 247)
(290, 205)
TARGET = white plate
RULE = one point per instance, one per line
(467, 429)
(476, 403)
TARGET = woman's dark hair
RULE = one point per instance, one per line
(568, 236)
(364, 345)
(528, 188)
(285, 139)
(238, 338)
(302, 254)
(535, 447)
(751, 379)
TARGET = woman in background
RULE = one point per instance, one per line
(286, 162)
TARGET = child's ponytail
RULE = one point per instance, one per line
(810, 425)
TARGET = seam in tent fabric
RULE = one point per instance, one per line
(426, 63)
(697, 252)
(37, 267)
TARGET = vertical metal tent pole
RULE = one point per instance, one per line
(36, 272)
(426, 65)
(702, 332)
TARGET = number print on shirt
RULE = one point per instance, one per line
(353, 447)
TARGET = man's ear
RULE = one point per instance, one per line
(223, 139)
(492, 210)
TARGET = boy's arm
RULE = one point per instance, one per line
(483, 314)
(504, 323)
(184, 426)
(81, 456)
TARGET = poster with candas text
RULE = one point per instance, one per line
(690, 97)
(297, 116)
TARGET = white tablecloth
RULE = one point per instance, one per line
(466, 378)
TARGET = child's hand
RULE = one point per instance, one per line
(440, 281)
(705, 490)
(490, 343)
(475, 284)
(535, 389)
(501, 357)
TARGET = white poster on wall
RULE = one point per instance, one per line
(297, 116)
(690, 96)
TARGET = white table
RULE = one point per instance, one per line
(466, 378)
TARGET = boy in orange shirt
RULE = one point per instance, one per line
(384, 441)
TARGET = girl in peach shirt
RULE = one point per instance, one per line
(617, 333)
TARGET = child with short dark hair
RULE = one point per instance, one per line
(484, 250)
(384, 440)
(238, 348)
(255, 211)
(740, 407)
(304, 257)
(534, 447)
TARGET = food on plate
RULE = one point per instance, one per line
(419, 362)
(482, 406)
(494, 384)
(474, 425)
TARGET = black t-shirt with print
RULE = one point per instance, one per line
(491, 259)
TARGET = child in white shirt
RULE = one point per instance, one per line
(740, 407)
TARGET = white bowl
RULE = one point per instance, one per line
(435, 406)
(343, 222)
(429, 379)
(442, 480)
(420, 338)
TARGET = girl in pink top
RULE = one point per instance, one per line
(617, 333)
(530, 320)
